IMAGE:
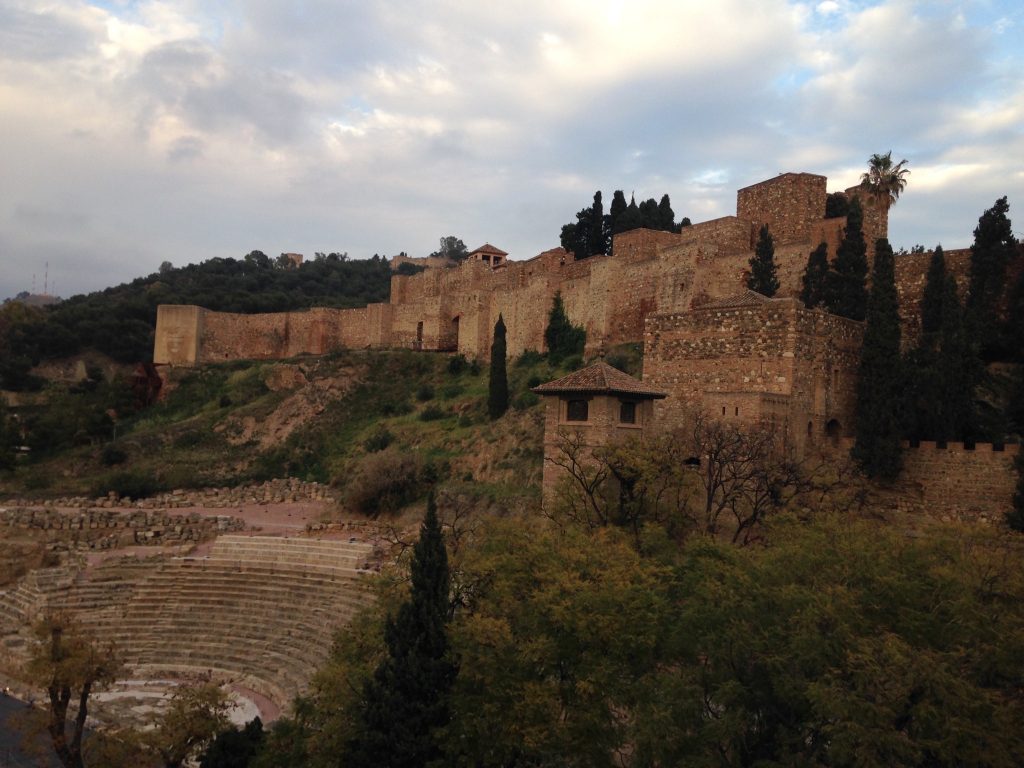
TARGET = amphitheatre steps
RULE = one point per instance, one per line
(256, 609)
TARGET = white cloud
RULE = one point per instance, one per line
(185, 130)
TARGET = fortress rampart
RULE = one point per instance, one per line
(651, 273)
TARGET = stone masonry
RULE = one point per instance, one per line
(455, 309)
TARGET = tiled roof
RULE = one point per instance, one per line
(599, 378)
(745, 299)
(488, 248)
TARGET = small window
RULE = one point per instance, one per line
(723, 410)
(627, 412)
(737, 411)
(576, 410)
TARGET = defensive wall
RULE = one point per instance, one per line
(951, 481)
(752, 359)
(610, 296)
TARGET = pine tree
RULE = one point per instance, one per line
(631, 218)
(815, 276)
(561, 337)
(497, 394)
(407, 700)
(880, 381)
(845, 289)
(763, 277)
(990, 253)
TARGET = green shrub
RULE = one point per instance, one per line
(433, 413)
(384, 482)
(451, 391)
(457, 364)
(127, 483)
(534, 381)
(525, 400)
(378, 440)
(395, 407)
(528, 358)
(573, 362)
(112, 454)
(424, 393)
(474, 368)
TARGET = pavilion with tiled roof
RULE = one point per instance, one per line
(591, 408)
(599, 378)
(488, 254)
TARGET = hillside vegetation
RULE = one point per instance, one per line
(380, 426)
(120, 321)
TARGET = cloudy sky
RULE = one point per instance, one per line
(137, 132)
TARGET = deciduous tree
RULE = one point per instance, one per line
(69, 665)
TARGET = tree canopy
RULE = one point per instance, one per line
(763, 277)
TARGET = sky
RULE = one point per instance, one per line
(133, 133)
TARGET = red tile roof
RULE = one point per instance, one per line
(488, 248)
(599, 378)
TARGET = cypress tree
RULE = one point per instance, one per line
(407, 700)
(595, 237)
(497, 393)
(990, 253)
(763, 277)
(631, 218)
(815, 275)
(666, 216)
(880, 381)
(561, 337)
(845, 289)
(955, 371)
(618, 207)
(933, 299)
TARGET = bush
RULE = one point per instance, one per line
(457, 364)
(525, 400)
(534, 381)
(395, 407)
(380, 439)
(385, 482)
(528, 358)
(424, 393)
(433, 413)
(451, 391)
(573, 362)
(111, 455)
(131, 484)
(474, 368)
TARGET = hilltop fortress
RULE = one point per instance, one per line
(707, 340)
(651, 273)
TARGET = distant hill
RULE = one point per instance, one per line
(120, 321)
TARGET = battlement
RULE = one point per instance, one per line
(455, 308)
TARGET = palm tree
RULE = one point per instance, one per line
(884, 178)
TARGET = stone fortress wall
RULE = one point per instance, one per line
(708, 341)
(651, 273)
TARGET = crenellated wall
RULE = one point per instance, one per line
(651, 273)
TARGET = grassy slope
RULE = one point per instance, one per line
(319, 419)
